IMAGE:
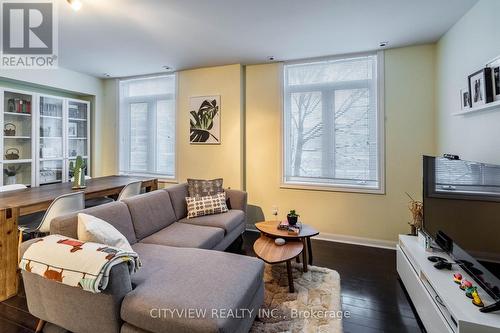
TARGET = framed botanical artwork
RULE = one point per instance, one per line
(465, 99)
(204, 120)
(72, 129)
(481, 87)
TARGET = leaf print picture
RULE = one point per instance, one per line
(204, 120)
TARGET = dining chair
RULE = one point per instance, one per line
(64, 204)
(30, 219)
(130, 190)
(94, 201)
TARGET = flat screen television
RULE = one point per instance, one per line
(462, 201)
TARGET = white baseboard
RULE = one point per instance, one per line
(380, 243)
(372, 242)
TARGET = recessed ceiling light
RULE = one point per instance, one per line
(75, 4)
(271, 58)
(167, 68)
(106, 75)
(383, 44)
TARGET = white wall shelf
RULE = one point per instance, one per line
(485, 107)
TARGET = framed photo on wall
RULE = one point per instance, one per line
(495, 77)
(465, 99)
(496, 83)
(204, 120)
(481, 87)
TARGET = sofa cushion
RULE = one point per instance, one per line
(185, 278)
(227, 221)
(178, 194)
(186, 235)
(200, 206)
(115, 213)
(150, 212)
(204, 188)
(96, 230)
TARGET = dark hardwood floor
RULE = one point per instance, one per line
(370, 288)
(371, 291)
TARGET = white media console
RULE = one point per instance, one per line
(441, 304)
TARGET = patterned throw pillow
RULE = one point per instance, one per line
(204, 188)
(199, 206)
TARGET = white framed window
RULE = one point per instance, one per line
(147, 119)
(333, 124)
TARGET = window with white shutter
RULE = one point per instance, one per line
(147, 126)
(333, 124)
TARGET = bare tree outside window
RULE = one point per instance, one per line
(331, 122)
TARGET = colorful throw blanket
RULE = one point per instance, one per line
(75, 263)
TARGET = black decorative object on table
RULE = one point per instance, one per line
(292, 217)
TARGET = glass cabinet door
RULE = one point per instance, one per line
(50, 172)
(17, 138)
(51, 143)
(17, 173)
(78, 127)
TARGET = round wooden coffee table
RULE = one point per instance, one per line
(270, 228)
(271, 253)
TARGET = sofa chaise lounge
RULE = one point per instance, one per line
(186, 283)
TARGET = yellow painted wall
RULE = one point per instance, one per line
(409, 110)
(109, 118)
(249, 154)
(212, 161)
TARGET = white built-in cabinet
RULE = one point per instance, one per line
(41, 134)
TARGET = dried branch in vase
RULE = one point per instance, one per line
(417, 213)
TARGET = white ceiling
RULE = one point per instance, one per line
(132, 37)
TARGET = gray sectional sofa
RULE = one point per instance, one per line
(183, 268)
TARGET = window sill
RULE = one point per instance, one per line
(168, 181)
(332, 188)
(161, 178)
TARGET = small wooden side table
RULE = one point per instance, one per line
(270, 228)
(271, 253)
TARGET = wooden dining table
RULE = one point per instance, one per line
(14, 204)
